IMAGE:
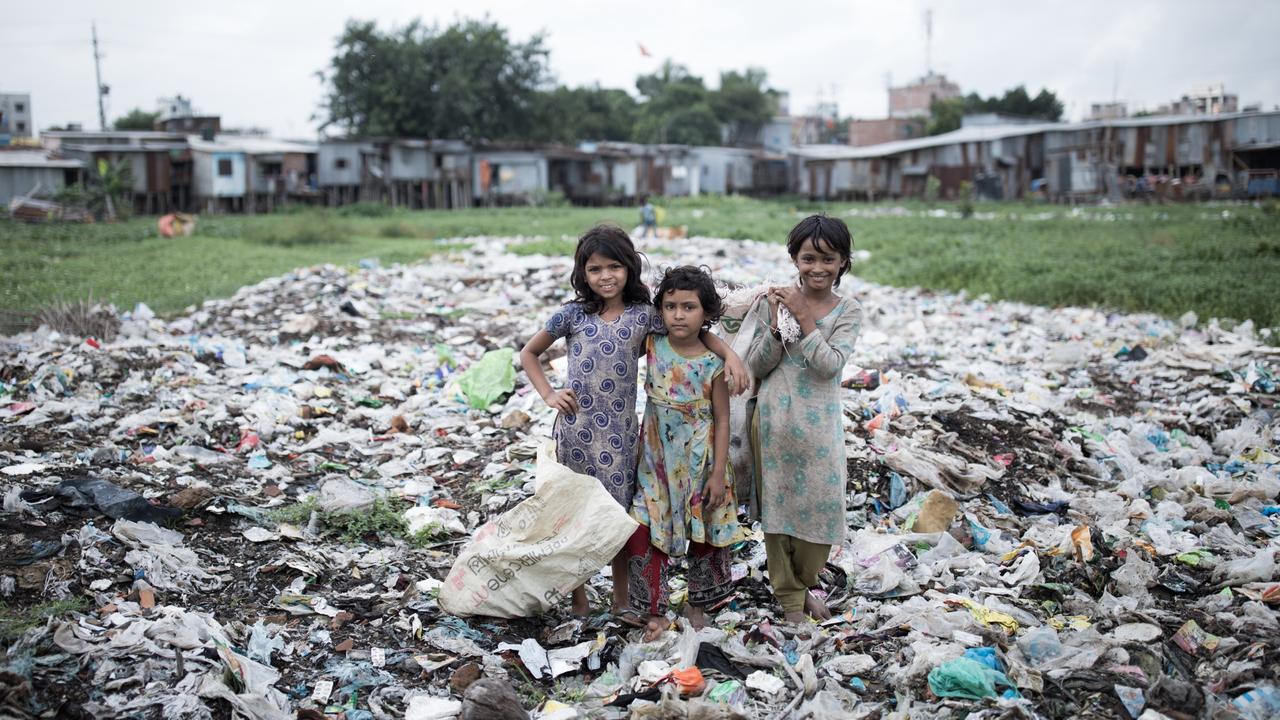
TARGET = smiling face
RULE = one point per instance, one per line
(682, 313)
(605, 276)
(818, 268)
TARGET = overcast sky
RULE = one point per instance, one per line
(254, 63)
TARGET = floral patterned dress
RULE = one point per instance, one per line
(602, 438)
(677, 454)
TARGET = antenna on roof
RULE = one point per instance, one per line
(928, 41)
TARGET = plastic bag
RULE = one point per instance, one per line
(966, 678)
(526, 560)
(489, 379)
(738, 326)
(1261, 567)
(1135, 576)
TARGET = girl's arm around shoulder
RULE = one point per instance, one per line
(717, 485)
(826, 356)
(737, 378)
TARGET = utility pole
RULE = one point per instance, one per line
(97, 71)
(928, 41)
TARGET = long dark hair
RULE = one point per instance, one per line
(612, 242)
(823, 230)
(697, 279)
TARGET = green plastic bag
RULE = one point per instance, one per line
(965, 678)
(489, 379)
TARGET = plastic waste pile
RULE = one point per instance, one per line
(252, 508)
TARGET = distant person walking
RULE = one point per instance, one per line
(648, 219)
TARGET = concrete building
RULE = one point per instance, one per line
(1107, 111)
(15, 117)
(914, 99)
(1204, 100)
(883, 130)
(178, 115)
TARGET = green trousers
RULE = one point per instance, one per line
(794, 565)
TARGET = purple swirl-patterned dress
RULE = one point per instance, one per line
(602, 439)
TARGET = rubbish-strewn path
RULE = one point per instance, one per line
(248, 510)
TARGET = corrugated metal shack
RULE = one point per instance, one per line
(429, 173)
(350, 170)
(1001, 160)
(507, 174)
(35, 172)
(252, 174)
(159, 162)
(1169, 157)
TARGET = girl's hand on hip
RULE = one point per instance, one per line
(564, 401)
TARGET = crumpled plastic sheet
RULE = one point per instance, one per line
(159, 554)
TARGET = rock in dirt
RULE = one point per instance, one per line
(492, 699)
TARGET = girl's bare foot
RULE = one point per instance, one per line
(697, 618)
(655, 627)
(580, 608)
(795, 617)
(816, 607)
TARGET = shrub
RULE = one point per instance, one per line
(366, 210)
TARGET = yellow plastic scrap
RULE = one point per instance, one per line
(976, 382)
(1259, 456)
(1151, 549)
(1014, 553)
(1074, 622)
(987, 616)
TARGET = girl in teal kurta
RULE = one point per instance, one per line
(798, 430)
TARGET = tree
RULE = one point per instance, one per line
(137, 119)
(945, 115)
(468, 81)
(676, 108)
(744, 104)
(568, 115)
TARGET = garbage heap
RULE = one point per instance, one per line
(248, 509)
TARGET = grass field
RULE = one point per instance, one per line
(1219, 261)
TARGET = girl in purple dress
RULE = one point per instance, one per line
(605, 326)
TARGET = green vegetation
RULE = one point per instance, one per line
(1219, 261)
(384, 518)
(137, 119)
(471, 79)
(16, 620)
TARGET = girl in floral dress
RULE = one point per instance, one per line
(684, 500)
